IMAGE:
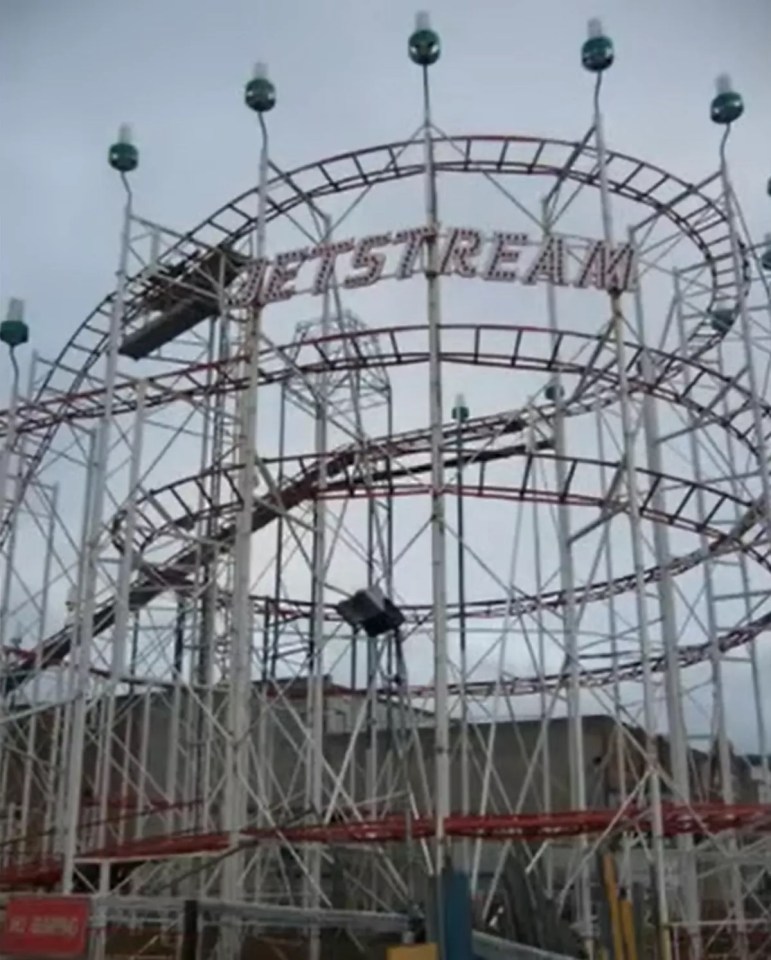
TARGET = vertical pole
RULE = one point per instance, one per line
(239, 681)
(316, 654)
(6, 749)
(669, 634)
(546, 764)
(372, 717)
(190, 946)
(266, 729)
(724, 757)
(424, 50)
(619, 744)
(259, 96)
(15, 499)
(630, 469)
(576, 762)
(438, 533)
(276, 639)
(83, 628)
(195, 712)
(33, 759)
(460, 413)
(120, 629)
(210, 789)
(10, 439)
(66, 682)
(745, 334)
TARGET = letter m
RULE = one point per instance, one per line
(621, 269)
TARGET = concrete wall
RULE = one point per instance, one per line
(166, 745)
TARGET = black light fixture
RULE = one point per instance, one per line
(371, 611)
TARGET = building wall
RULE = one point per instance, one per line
(164, 743)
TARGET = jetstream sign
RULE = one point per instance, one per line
(500, 257)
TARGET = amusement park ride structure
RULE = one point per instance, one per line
(211, 535)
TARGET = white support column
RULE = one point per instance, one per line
(120, 629)
(438, 529)
(240, 662)
(13, 503)
(576, 760)
(619, 746)
(745, 331)
(713, 631)
(83, 628)
(32, 760)
(315, 747)
(10, 439)
(678, 742)
(545, 710)
(635, 532)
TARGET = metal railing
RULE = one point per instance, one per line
(488, 947)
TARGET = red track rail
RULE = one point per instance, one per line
(699, 819)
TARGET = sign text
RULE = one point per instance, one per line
(501, 257)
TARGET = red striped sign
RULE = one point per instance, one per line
(45, 927)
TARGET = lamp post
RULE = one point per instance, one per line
(260, 97)
(123, 157)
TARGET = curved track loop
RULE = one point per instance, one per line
(694, 210)
(392, 478)
(473, 344)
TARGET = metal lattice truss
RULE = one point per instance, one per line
(604, 617)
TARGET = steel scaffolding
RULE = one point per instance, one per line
(580, 569)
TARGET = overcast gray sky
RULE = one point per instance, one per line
(71, 70)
